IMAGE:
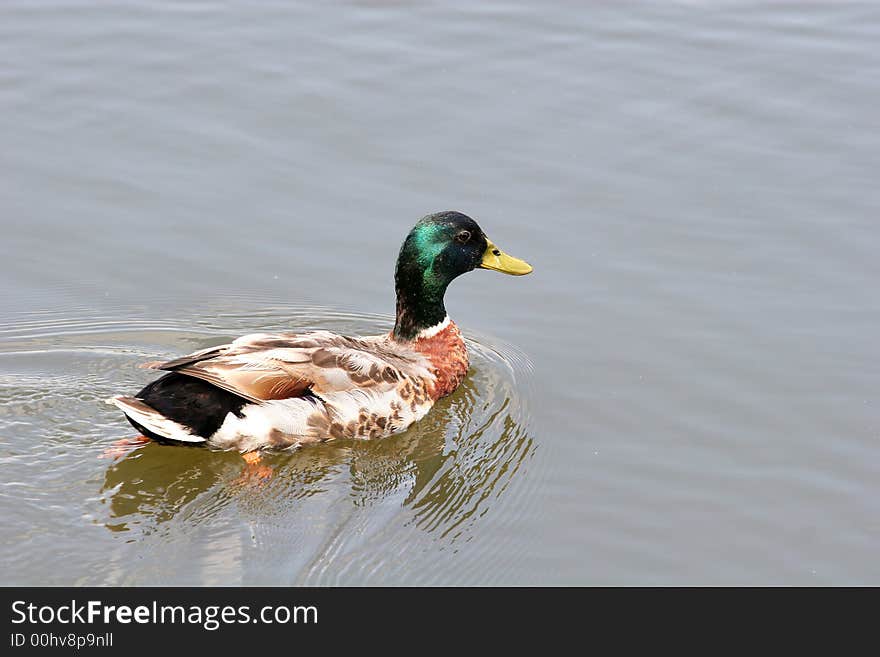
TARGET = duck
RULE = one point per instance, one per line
(281, 391)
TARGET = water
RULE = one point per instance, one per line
(684, 391)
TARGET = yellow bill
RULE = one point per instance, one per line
(495, 259)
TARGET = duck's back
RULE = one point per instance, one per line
(283, 390)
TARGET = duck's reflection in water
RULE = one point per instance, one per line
(447, 468)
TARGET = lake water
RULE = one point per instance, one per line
(685, 391)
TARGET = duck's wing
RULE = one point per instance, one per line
(263, 367)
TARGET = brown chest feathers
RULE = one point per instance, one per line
(449, 359)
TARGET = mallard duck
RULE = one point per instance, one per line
(283, 390)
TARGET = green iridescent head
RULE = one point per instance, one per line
(439, 248)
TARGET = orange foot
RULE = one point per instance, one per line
(119, 446)
(254, 469)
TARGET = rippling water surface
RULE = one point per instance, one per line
(684, 392)
(345, 512)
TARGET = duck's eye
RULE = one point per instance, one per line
(463, 237)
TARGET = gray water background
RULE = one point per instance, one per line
(684, 392)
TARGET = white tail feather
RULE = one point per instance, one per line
(153, 420)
